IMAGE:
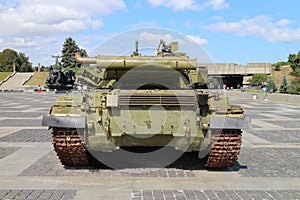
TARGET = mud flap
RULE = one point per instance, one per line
(66, 122)
(230, 123)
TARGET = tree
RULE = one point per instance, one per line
(68, 53)
(83, 53)
(23, 64)
(284, 85)
(258, 79)
(294, 87)
(295, 62)
(271, 85)
(10, 58)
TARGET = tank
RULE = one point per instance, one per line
(139, 102)
(59, 79)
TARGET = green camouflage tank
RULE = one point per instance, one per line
(159, 101)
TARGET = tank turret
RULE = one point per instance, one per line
(111, 68)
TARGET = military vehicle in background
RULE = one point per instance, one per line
(146, 101)
(58, 79)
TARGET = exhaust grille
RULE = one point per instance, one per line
(157, 100)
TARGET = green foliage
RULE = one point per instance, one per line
(295, 63)
(23, 64)
(42, 69)
(294, 87)
(277, 66)
(284, 85)
(271, 85)
(9, 58)
(258, 79)
(212, 82)
(68, 53)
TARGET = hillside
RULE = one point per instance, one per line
(278, 75)
(3, 75)
(39, 78)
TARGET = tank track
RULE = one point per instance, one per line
(69, 147)
(225, 148)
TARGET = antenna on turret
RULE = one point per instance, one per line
(137, 46)
(136, 53)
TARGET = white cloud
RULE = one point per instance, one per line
(175, 4)
(17, 42)
(196, 39)
(148, 38)
(217, 18)
(261, 26)
(215, 4)
(35, 17)
(181, 5)
(144, 24)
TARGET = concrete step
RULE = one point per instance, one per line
(16, 81)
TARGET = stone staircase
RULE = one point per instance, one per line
(16, 81)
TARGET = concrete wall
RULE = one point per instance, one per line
(232, 68)
(283, 98)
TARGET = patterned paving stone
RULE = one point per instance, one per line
(5, 109)
(261, 109)
(291, 116)
(270, 162)
(255, 126)
(20, 122)
(214, 194)
(6, 151)
(37, 194)
(28, 135)
(49, 165)
(278, 136)
(21, 114)
(288, 124)
(257, 116)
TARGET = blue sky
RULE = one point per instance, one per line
(229, 31)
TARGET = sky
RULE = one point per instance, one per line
(228, 31)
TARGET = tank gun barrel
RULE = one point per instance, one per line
(129, 62)
(86, 60)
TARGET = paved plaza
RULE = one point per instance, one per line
(268, 166)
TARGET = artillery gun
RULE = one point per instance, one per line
(58, 79)
(146, 101)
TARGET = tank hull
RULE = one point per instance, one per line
(110, 121)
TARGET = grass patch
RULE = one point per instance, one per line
(37, 79)
(4, 75)
(77, 70)
(254, 91)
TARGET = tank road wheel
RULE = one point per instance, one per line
(69, 147)
(225, 148)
